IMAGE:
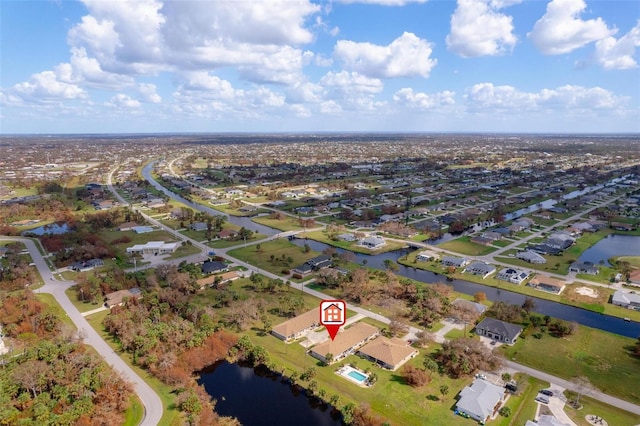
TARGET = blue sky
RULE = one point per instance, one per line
(101, 66)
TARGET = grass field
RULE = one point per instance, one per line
(463, 245)
(523, 405)
(277, 248)
(604, 358)
(286, 224)
(353, 246)
(612, 415)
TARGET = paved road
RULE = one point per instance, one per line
(518, 367)
(608, 399)
(152, 404)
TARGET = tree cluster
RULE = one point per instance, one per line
(461, 357)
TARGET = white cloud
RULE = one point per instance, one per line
(122, 101)
(148, 93)
(46, 86)
(478, 29)
(561, 30)
(351, 82)
(406, 56)
(408, 98)
(486, 97)
(618, 54)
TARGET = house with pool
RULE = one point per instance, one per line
(347, 342)
(388, 353)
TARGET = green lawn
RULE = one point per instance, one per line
(602, 357)
(463, 245)
(134, 414)
(613, 415)
(523, 405)
(286, 224)
(79, 304)
(353, 246)
(277, 248)
(390, 397)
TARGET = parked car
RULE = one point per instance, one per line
(543, 399)
(546, 392)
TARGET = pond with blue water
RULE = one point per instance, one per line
(611, 246)
(257, 397)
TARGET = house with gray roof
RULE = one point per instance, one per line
(626, 300)
(373, 242)
(480, 400)
(482, 269)
(512, 275)
(498, 330)
(531, 257)
(584, 268)
(458, 262)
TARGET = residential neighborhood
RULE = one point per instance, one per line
(453, 264)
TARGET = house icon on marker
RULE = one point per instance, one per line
(332, 313)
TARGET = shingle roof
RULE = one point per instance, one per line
(480, 398)
(346, 339)
(391, 352)
(297, 324)
(495, 326)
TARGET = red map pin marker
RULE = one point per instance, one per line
(333, 315)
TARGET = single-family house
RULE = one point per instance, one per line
(426, 255)
(127, 226)
(478, 307)
(512, 275)
(226, 234)
(154, 247)
(482, 269)
(86, 265)
(214, 266)
(347, 237)
(311, 265)
(629, 300)
(198, 226)
(634, 277)
(480, 400)
(545, 283)
(142, 229)
(458, 262)
(531, 257)
(295, 328)
(583, 268)
(346, 342)
(388, 353)
(373, 242)
(498, 330)
(482, 240)
(119, 297)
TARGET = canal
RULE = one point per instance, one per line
(544, 307)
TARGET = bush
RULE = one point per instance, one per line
(415, 377)
(505, 411)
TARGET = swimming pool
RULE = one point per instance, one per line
(357, 376)
(353, 375)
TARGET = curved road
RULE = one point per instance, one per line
(152, 404)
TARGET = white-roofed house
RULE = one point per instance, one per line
(480, 400)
